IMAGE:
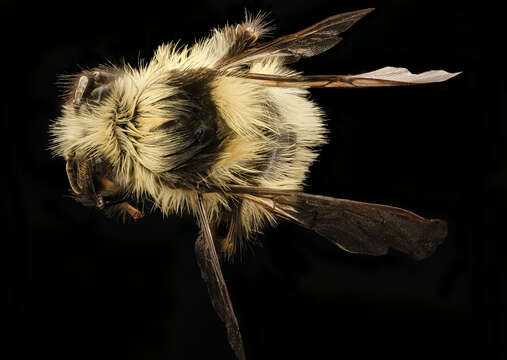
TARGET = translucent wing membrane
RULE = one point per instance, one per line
(402, 75)
(387, 76)
(208, 262)
(354, 226)
(305, 43)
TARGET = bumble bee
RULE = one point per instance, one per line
(225, 130)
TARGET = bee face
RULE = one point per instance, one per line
(86, 181)
(92, 186)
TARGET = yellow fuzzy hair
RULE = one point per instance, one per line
(121, 130)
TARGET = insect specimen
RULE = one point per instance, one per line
(225, 130)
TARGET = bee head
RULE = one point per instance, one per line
(91, 186)
(89, 136)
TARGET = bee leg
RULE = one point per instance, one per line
(252, 28)
(101, 84)
(71, 175)
(132, 211)
(99, 91)
(248, 34)
(100, 201)
(80, 89)
(232, 241)
(103, 77)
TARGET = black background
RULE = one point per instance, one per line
(82, 286)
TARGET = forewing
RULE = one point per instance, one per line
(305, 43)
(354, 226)
(387, 76)
(211, 273)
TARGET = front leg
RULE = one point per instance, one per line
(93, 85)
(253, 28)
(232, 40)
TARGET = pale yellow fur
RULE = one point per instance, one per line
(120, 128)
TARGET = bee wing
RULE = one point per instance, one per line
(386, 76)
(305, 43)
(354, 226)
(211, 273)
